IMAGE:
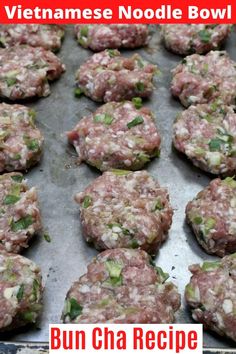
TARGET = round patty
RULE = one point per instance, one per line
(206, 134)
(130, 135)
(203, 79)
(19, 212)
(122, 286)
(211, 295)
(20, 291)
(101, 37)
(107, 76)
(212, 216)
(21, 142)
(185, 39)
(46, 36)
(125, 209)
(25, 71)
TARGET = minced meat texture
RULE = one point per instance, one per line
(125, 209)
(203, 79)
(122, 286)
(107, 76)
(20, 140)
(19, 213)
(20, 291)
(113, 36)
(117, 135)
(45, 36)
(25, 72)
(211, 295)
(185, 39)
(212, 216)
(206, 134)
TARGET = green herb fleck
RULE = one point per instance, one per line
(197, 220)
(137, 102)
(74, 309)
(78, 92)
(136, 121)
(84, 31)
(47, 237)
(17, 178)
(22, 223)
(140, 86)
(11, 81)
(164, 276)
(111, 52)
(205, 36)
(208, 266)
(20, 293)
(11, 199)
(103, 118)
(87, 202)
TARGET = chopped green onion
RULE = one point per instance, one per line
(137, 102)
(87, 202)
(136, 121)
(22, 223)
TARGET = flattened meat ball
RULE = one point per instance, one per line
(130, 135)
(107, 76)
(203, 79)
(212, 216)
(45, 36)
(20, 140)
(185, 39)
(122, 286)
(19, 213)
(211, 295)
(114, 36)
(206, 134)
(25, 72)
(125, 209)
(20, 291)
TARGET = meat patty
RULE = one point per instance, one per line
(20, 140)
(114, 36)
(107, 76)
(45, 36)
(212, 216)
(19, 212)
(185, 39)
(20, 291)
(206, 134)
(203, 79)
(122, 286)
(25, 72)
(130, 135)
(211, 295)
(125, 209)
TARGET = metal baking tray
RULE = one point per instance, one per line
(58, 177)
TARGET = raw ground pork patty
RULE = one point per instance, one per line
(25, 72)
(187, 39)
(107, 76)
(203, 79)
(20, 291)
(212, 216)
(100, 37)
(122, 286)
(20, 141)
(206, 134)
(19, 213)
(46, 36)
(125, 209)
(211, 295)
(117, 135)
